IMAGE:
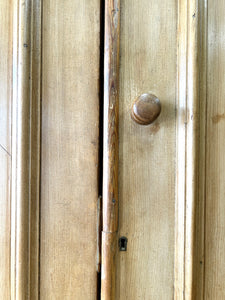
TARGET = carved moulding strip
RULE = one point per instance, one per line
(26, 116)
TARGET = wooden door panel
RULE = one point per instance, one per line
(69, 158)
(215, 157)
(5, 144)
(147, 153)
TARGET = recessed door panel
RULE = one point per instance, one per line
(69, 157)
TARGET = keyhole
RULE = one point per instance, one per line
(123, 243)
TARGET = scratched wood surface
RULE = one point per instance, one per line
(5, 144)
(147, 153)
(69, 164)
(215, 158)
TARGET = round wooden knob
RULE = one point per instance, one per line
(146, 109)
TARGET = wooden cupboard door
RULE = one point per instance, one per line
(49, 176)
(170, 174)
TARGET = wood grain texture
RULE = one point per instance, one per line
(147, 153)
(111, 107)
(192, 144)
(109, 247)
(181, 121)
(69, 172)
(110, 148)
(146, 109)
(199, 215)
(215, 159)
(5, 144)
(35, 144)
(25, 149)
(190, 173)
(20, 151)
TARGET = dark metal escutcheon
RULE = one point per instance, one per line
(123, 243)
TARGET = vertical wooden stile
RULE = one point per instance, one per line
(25, 149)
(188, 143)
(35, 143)
(181, 150)
(110, 148)
(192, 143)
(5, 144)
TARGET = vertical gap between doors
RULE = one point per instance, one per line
(100, 158)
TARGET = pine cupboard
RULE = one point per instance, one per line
(112, 125)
